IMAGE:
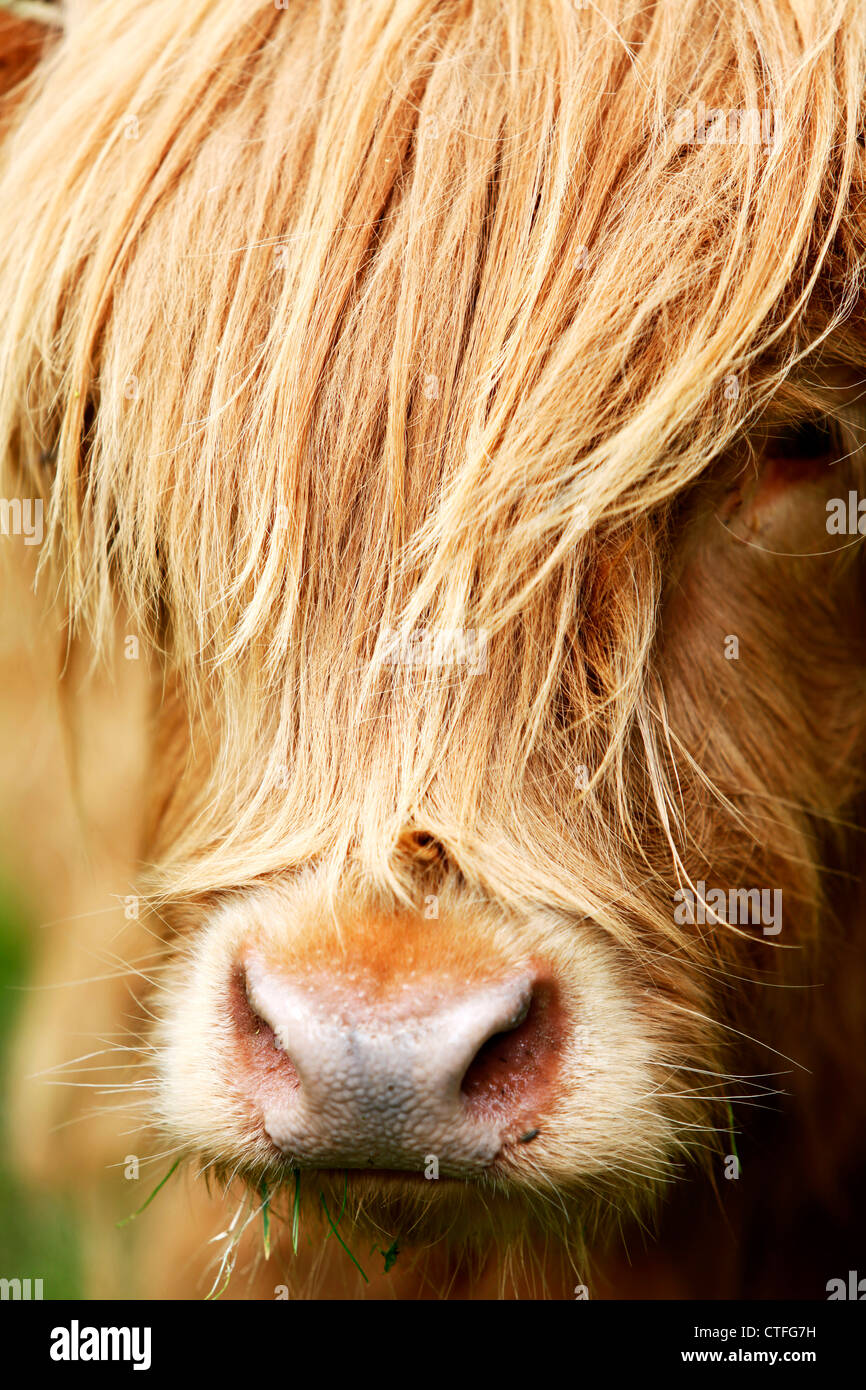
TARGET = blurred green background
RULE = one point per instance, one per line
(39, 1235)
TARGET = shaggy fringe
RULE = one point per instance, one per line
(376, 315)
(424, 317)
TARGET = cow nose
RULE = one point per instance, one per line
(348, 1077)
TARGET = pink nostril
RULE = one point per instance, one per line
(349, 1073)
(519, 1061)
(264, 1056)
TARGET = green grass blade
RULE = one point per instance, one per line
(296, 1214)
(340, 1239)
(731, 1128)
(126, 1220)
(343, 1205)
(389, 1255)
(266, 1218)
(219, 1292)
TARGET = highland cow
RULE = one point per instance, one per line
(436, 443)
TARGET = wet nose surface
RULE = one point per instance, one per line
(356, 1080)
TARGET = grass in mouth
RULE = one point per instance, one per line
(339, 1237)
(389, 1255)
(266, 1219)
(237, 1228)
(296, 1211)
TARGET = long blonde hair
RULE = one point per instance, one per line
(331, 321)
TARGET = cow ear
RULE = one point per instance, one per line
(27, 31)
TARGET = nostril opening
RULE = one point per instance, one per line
(262, 1051)
(515, 1064)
